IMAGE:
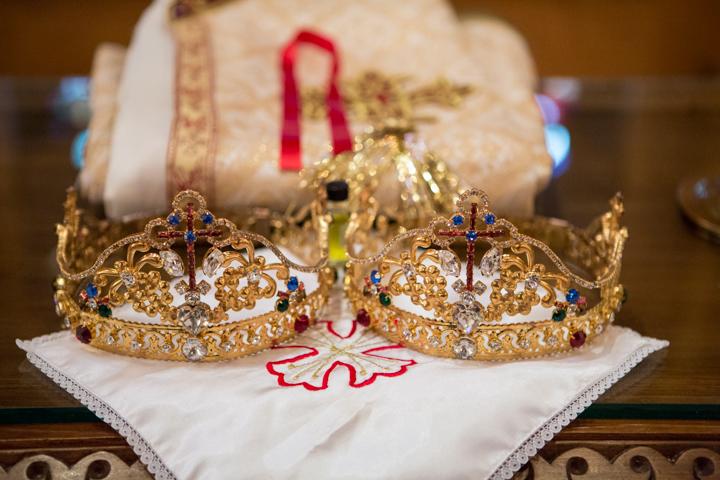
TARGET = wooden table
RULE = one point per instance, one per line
(638, 136)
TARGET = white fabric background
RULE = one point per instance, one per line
(441, 419)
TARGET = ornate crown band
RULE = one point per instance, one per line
(117, 290)
(521, 300)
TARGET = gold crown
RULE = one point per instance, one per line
(521, 300)
(117, 291)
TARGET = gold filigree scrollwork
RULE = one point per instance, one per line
(146, 291)
(422, 283)
(259, 283)
(380, 99)
(514, 270)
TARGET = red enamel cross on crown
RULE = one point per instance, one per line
(471, 235)
(190, 236)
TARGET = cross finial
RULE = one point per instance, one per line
(190, 236)
(471, 235)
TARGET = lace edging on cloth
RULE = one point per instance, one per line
(504, 471)
(140, 446)
(562, 418)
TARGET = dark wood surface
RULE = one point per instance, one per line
(637, 136)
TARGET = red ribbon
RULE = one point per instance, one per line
(290, 158)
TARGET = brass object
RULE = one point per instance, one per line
(699, 200)
(105, 269)
(522, 268)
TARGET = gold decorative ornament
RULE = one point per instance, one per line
(149, 295)
(382, 100)
(392, 171)
(520, 300)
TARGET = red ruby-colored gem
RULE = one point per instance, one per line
(363, 317)
(83, 334)
(302, 323)
(578, 339)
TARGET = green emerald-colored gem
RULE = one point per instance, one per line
(385, 299)
(559, 314)
(104, 310)
(282, 304)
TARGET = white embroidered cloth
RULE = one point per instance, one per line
(343, 404)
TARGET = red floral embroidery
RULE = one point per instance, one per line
(326, 349)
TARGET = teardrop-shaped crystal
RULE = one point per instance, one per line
(193, 317)
(490, 262)
(449, 262)
(172, 263)
(467, 316)
(212, 261)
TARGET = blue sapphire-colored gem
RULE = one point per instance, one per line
(375, 277)
(471, 235)
(458, 219)
(292, 284)
(207, 218)
(190, 237)
(489, 219)
(173, 219)
(572, 296)
(91, 290)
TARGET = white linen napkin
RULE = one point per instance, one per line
(339, 402)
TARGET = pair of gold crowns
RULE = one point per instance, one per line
(193, 286)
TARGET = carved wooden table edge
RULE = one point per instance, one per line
(593, 449)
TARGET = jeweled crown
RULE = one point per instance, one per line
(535, 288)
(142, 294)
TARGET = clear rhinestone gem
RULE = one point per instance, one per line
(203, 287)
(59, 310)
(465, 348)
(212, 261)
(109, 340)
(449, 262)
(407, 334)
(228, 346)
(572, 309)
(128, 279)
(408, 270)
(182, 287)
(166, 347)
(552, 341)
(135, 345)
(172, 263)
(479, 288)
(467, 315)
(532, 282)
(494, 344)
(524, 343)
(66, 322)
(467, 298)
(194, 350)
(255, 340)
(192, 297)
(490, 262)
(253, 277)
(599, 328)
(458, 285)
(194, 317)
(434, 342)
